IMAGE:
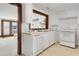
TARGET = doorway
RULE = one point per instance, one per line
(10, 29)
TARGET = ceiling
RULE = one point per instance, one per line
(56, 6)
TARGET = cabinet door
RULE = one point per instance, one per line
(35, 45)
(40, 43)
(46, 41)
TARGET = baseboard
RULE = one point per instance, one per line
(68, 46)
(45, 49)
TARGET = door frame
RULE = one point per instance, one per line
(19, 39)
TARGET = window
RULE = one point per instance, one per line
(7, 27)
(40, 21)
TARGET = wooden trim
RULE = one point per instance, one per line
(38, 12)
(19, 5)
(38, 28)
(10, 28)
(19, 49)
(46, 21)
(2, 28)
(6, 36)
(8, 20)
(19, 29)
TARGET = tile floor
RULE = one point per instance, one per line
(8, 46)
(58, 50)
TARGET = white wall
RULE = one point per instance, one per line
(27, 12)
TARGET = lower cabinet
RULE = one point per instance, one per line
(37, 44)
(42, 41)
(46, 41)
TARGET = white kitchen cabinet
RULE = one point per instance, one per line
(46, 41)
(49, 39)
(35, 45)
(42, 41)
